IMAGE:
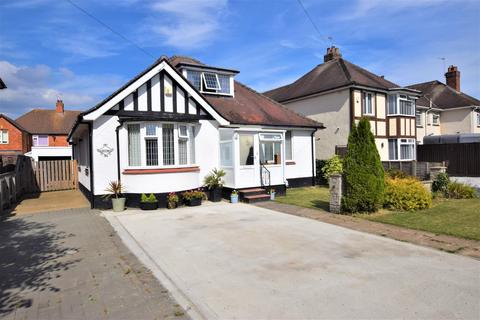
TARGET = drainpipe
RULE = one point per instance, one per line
(117, 129)
(313, 156)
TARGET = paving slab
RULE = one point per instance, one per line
(70, 264)
(245, 262)
(50, 201)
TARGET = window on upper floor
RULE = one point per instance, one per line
(399, 104)
(368, 103)
(40, 140)
(4, 136)
(435, 119)
(210, 82)
(419, 118)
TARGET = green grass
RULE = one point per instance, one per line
(459, 218)
(308, 197)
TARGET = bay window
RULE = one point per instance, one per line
(401, 149)
(156, 144)
(4, 136)
(399, 104)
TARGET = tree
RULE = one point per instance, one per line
(363, 171)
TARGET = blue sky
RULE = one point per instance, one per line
(48, 48)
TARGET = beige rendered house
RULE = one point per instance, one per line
(444, 109)
(340, 93)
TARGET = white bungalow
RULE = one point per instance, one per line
(168, 127)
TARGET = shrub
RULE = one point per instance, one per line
(456, 190)
(194, 194)
(320, 179)
(440, 184)
(406, 194)
(214, 179)
(150, 198)
(332, 165)
(395, 173)
(172, 200)
(363, 171)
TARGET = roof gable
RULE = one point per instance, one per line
(13, 122)
(442, 96)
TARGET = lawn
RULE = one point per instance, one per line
(459, 218)
(308, 197)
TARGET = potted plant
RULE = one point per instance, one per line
(115, 190)
(193, 198)
(214, 183)
(148, 202)
(234, 196)
(172, 200)
(272, 194)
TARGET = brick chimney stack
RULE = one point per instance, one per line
(332, 53)
(452, 77)
(59, 106)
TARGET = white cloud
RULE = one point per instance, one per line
(39, 86)
(188, 23)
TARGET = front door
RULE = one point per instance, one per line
(249, 170)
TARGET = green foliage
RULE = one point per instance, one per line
(440, 184)
(320, 179)
(332, 166)
(234, 193)
(193, 194)
(214, 179)
(406, 194)
(172, 200)
(456, 190)
(150, 198)
(115, 188)
(363, 171)
(395, 173)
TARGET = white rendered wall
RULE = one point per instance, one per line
(82, 155)
(51, 152)
(302, 155)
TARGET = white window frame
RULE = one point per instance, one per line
(273, 138)
(202, 79)
(398, 98)
(159, 137)
(437, 117)
(4, 132)
(478, 119)
(35, 138)
(291, 147)
(402, 142)
(371, 111)
(419, 118)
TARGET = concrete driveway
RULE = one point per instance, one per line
(240, 261)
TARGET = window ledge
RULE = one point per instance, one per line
(161, 170)
(290, 163)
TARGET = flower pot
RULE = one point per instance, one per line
(118, 204)
(215, 195)
(234, 198)
(272, 195)
(148, 205)
(194, 202)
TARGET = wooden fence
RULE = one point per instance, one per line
(33, 177)
(462, 159)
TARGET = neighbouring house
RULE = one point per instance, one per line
(340, 93)
(168, 127)
(49, 130)
(444, 110)
(14, 139)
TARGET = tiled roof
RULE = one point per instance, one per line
(44, 121)
(13, 122)
(250, 107)
(442, 96)
(333, 74)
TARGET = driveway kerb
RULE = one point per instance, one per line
(194, 310)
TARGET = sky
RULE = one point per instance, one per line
(51, 48)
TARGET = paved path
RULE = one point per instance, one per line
(71, 265)
(469, 248)
(50, 201)
(245, 262)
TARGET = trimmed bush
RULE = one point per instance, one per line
(363, 171)
(456, 190)
(395, 173)
(406, 194)
(332, 165)
(440, 184)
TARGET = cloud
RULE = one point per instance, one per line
(39, 86)
(188, 23)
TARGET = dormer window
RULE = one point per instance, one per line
(210, 82)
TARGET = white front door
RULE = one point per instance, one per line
(249, 169)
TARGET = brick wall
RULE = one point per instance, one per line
(18, 141)
(57, 141)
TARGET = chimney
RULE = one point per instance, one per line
(332, 53)
(452, 78)
(59, 106)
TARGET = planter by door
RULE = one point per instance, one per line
(148, 205)
(118, 204)
(194, 202)
(215, 195)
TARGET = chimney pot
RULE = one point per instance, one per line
(332, 53)
(452, 77)
(59, 106)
